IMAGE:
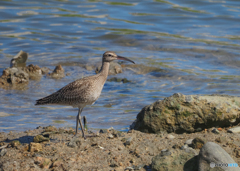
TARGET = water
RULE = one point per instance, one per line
(195, 43)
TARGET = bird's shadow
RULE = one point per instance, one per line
(23, 139)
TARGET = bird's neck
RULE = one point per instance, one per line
(104, 69)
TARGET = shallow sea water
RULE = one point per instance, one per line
(194, 47)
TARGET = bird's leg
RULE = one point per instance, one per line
(79, 120)
(85, 122)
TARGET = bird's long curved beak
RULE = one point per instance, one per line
(126, 59)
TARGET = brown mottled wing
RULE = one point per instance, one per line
(72, 94)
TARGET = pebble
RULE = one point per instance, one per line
(197, 143)
(129, 141)
(234, 130)
(165, 152)
(184, 147)
(110, 136)
(215, 131)
(3, 152)
(189, 142)
(169, 136)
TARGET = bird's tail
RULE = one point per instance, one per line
(46, 100)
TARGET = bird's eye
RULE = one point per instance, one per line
(109, 55)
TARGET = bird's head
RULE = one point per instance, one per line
(109, 56)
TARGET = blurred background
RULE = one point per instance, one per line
(189, 47)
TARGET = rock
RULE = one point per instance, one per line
(35, 147)
(189, 142)
(34, 72)
(15, 143)
(45, 70)
(234, 130)
(58, 72)
(215, 131)
(165, 152)
(114, 68)
(129, 141)
(169, 136)
(185, 146)
(110, 136)
(188, 113)
(212, 153)
(73, 142)
(197, 143)
(144, 69)
(50, 129)
(19, 60)
(40, 138)
(14, 77)
(177, 160)
(57, 163)
(115, 79)
(3, 152)
(44, 163)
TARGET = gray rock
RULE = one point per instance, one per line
(3, 152)
(177, 160)
(234, 130)
(184, 147)
(188, 113)
(129, 141)
(189, 142)
(165, 152)
(214, 154)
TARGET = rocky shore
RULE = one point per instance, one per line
(53, 148)
(188, 133)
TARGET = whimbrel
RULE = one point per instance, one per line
(83, 92)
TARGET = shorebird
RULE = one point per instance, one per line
(83, 92)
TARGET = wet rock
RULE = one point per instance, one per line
(143, 69)
(115, 79)
(177, 160)
(19, 60)
(40, 138)
(197, 143)
(13, 77)
(50, 129)
(234, 130)
(34, 72)
(114, 68)
(45, 70)
(35, 147)
(58, 72)
(179, 113)
(212, 153)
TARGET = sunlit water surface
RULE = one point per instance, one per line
(195, 43)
